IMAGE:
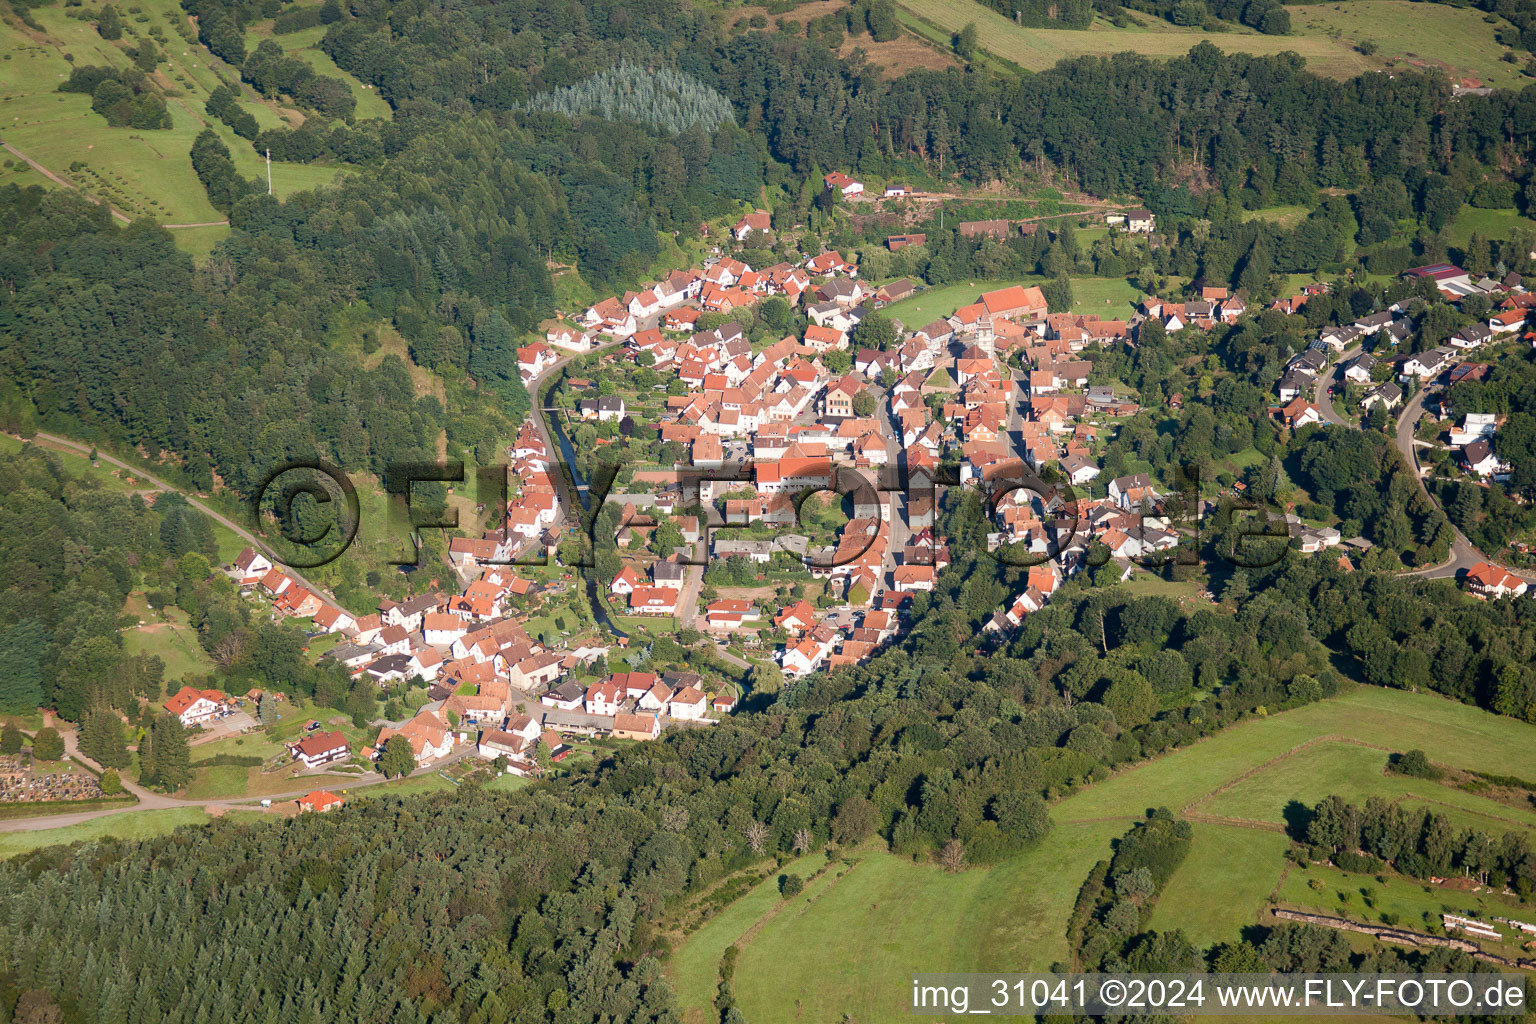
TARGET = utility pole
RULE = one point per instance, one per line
(269, 171)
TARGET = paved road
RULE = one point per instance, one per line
(152, 801)
(1464, 554)
(193, 500)
(1324, 380)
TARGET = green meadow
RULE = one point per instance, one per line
(1328, 36)
(846, 948)
(141, 173)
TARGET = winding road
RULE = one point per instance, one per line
(149, 800)
(192, 499)
(1464, 554)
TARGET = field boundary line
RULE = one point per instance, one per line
(1249, 823)
(1266, 765)
(755, 928)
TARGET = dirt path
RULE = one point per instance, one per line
(64, 182)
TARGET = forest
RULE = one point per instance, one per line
(476, 163)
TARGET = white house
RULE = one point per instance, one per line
(320, 748)
(1427, 364)
(195, 706)
(604, 698)
(846, 186)
(687, 703)
(249, 567)
(1474, 426)
(1485, 581)
(1129, 492)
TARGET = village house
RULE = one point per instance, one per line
(1492, 582)
(1388, 395)
(249, 567)
(728, 614)
(320, 748)
(757, 221)
(653, 601)
(429, 737)
(1473, 426)
(1428, 364)
(193, 707)
(1130, 493)
(687, 703)
(845, 186)
(320, 801)
(604, 698)
(636, 727)
(1479, 458)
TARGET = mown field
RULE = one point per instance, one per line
(1326, 35)
(141, 173)
(848, 946)
(1488, 223)
(1108, 297)
(1456, 39)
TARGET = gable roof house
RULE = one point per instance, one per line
(1490, 581)
(193, 706)
(320, 748)
(1130, 492)
(429, 737)
(757, 221)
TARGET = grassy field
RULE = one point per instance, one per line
(1413, 34)
(1036, 49)
(1324, 34)
(1281, 216)
(886, 916)
(1354, 773)
(142, 173)
(1109, 297)
(1488, 223)
(305, 45)
(695, 969)
(848, 946)
(1240, 863)
(131, 825)
(169, 636)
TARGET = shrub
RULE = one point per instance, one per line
(791, 885)
(1414, 763)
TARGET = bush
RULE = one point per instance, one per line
(1359, 863)
(229, 760)
(111, 784)
(1415, 764)
(791, 885)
